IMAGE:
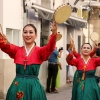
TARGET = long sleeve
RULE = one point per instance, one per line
(71, 61)
(97, 61)
(77, 55)
(8, 48)
(93, 52)
(45, 51)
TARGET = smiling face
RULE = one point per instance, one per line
(29, 34)
(86, 49)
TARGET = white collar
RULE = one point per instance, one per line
(86, 61)
(27, 52)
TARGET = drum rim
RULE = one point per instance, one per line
(59, 35)
(95, 34)
(57, 10)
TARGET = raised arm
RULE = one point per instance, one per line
(76, 55)
(71, 61)
(93, 52)
(7, 47)
(45, 51)
(95, 49)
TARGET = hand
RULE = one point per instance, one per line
(72, 44)
(3, 37)
(54, 27)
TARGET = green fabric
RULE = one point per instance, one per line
(29, 85)
(87, 89)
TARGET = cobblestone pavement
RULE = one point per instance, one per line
(64, 94)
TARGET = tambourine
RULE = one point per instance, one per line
(1, 31)
(71, 37)
(2, 36)
(59, 36)
(62, 13)
(94, 36)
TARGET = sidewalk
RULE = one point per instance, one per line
(64, 94)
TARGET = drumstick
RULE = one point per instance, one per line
(1, 29)
(71, 37)
(2, 32)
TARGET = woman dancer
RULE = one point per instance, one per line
(28, 58)
(87, 87)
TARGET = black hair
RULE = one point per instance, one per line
(88, 44)
(32, 27)
(61, 48)
(34, 42)
(98, 44)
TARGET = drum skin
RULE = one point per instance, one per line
(94, 36)
(62, 13)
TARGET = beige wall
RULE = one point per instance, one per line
(1, 78)
(7, 74)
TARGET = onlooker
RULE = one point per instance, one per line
(98, 55)
(98, 51)
(53, 70)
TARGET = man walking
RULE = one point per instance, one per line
(53, 70)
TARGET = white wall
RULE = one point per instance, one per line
(12, 14)
(13, 17)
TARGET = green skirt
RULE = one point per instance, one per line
(87, 89)
(26, 88)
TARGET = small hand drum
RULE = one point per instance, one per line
(94, 36)
(62, 13)
(59, 36)
(1, 31)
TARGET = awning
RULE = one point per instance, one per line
(71, 21)
(47, 14)
(76, 23)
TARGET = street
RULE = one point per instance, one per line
(64, 94)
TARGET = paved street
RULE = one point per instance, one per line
(64, 94)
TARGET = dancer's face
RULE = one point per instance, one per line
(86, 49)
(29, 35)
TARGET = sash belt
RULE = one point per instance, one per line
(26, 76)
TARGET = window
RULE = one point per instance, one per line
(13, 35)
(44, 32)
